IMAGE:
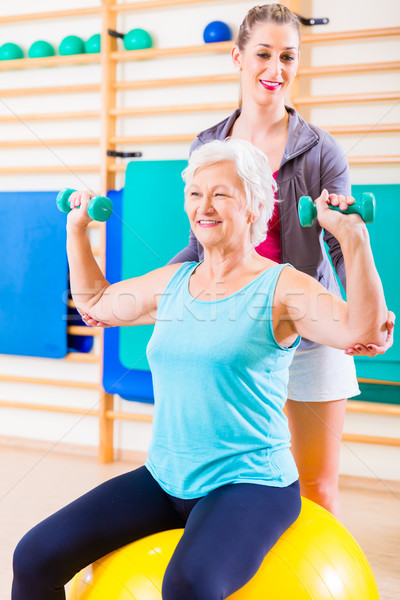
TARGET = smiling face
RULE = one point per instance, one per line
(268, 63)
(216, 205)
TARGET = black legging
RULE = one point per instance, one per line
(227, 534)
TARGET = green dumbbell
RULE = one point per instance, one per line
(364, 207)
(100, 208)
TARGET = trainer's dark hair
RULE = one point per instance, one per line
(266, 13)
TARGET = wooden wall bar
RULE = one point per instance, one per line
(108, 167)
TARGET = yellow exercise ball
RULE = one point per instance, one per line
(315, 559)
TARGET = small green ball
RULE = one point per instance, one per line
(41, 49)
(93, 44)
(72, 44)
(137, 39)
(10, 51)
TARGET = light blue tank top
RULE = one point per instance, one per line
(220, 383)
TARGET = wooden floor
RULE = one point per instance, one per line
(34, 483)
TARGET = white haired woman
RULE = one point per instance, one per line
(225, 332)
(305, 159)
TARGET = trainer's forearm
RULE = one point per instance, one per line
(86, 278)
(367, 312)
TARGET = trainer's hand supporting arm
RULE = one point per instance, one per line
(372, 350)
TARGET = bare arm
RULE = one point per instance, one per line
(130, 302)
(309, 310)
(335, 176)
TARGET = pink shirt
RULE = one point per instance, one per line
(271, 246)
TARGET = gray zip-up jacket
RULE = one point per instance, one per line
(312, 161)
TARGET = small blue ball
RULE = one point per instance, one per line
(217, 31)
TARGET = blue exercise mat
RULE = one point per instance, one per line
(33, 275)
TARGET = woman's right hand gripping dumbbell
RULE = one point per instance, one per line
(77, 223)
(79, 218)
(99, 208)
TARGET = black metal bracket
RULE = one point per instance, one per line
(115, 34)
(310, 22)
(124, 154)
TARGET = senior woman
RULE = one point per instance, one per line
(305, 159)
(225, 332)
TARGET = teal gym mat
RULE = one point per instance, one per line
(155, 227)
(383, 234)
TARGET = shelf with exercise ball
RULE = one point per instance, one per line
(71, 50)
(135, 39)
(139, 50)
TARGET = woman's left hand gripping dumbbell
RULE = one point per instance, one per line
(330, 220)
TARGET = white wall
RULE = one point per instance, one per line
(176, 27)
(360, 459)
(359, 15)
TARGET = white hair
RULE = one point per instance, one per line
(253, 169)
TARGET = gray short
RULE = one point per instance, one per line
(322, 374)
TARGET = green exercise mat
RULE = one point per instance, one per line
(383, 234)
(155, 229)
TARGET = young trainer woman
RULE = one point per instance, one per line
(304, 160)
